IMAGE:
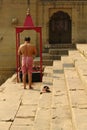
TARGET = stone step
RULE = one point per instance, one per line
(60, 112)
(58, 51)
(42, 119)
(24, 109)
(75, 55)
(68, 46)
(57, 68)
(45, 62)
(67, 61)
(48, 75)
(45, 50)
(43, 116)
(80, 64)
(82, 48)
(76, 95)
(77, 98)
(17, 108)
(47, 56)
(60, 109)
(48, 70)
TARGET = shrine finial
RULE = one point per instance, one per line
(28, 11)
(28, 20)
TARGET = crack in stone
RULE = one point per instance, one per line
(54, 117)
(59, 94)
(74, 89)
(31, 117)
(8, 120)
(82, 107)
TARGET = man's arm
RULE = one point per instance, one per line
(19, 51)
(35, 51)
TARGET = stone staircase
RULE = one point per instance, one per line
(69, 91)
(54, 52)
(65, 108)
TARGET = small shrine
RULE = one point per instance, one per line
(29, 25)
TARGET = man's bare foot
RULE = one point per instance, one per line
(25, 88)
(30, 87)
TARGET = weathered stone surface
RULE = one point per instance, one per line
(65, 108)
(5, 125)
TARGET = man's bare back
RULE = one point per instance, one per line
(27, 50)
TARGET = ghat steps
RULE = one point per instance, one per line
(65, 108)
(69, 86)
(54, 52)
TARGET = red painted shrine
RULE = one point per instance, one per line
(28, 25)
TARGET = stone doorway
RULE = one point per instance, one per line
(60, 28)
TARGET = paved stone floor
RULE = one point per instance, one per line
(18, 106)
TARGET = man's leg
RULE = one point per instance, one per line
(30, 65)
(30, 80)
(24, 80)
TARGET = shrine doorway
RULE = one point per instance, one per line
(60, 28)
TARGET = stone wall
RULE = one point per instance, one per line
(13, 13)
(5, 74)
(77, 12)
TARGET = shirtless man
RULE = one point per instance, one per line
(27, 51)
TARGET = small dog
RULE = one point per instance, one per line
(45, 89)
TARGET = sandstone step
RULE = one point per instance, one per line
(80, 63)
(57, 65)
(57, 68)
(81, 67)
(67, 61)
(45, 62)
(75, 55)
(42, 119)
(69, 46)
(48, 70)
(60, 111)
(17, 108)
(45, 50)
(48, 75)
(58, 51)
(26, 114)
(77, 98)
(82, 48)
(47, 56)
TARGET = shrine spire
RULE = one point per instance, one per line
(28, 20)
